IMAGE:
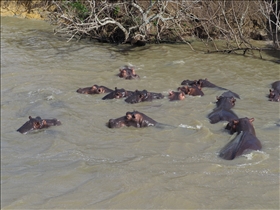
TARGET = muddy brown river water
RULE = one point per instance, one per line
(83, 164)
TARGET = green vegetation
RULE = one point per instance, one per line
(81, 10)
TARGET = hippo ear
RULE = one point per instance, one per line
(30, 117)
(252, 119)
(217, 97)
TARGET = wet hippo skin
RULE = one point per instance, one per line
(37, 123)
(95, 89)
(141, 96)
(135, 119)
(245, 139)
(128, 73)
(274, 94)
(117, 93)
(193, 90)
(223, 110)
(176, 95)
(202, 83)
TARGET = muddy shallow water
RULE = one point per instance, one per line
(84, 164)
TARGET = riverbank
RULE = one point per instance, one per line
(141, 22)
(13, 9)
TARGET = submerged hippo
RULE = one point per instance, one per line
(128, 73)
(37, 123)
(202, 83)
(193, 90)
(222, 112)
(117, 93)
(274, 95)
(141, 96)
(245, 139)
(95, 89)
(176, 95)
(135, 119)
(205, 83)
(189, 82)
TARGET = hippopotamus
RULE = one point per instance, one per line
(141, 96)
(222, 112)
(128, 73)
(37, 123)
(95, 89)
(274, 95)
(201, 83)
(206, 83)
(193, 90)
(135, 119)
(189, 82)
(176, 95)
(117, 93)
(245, 139)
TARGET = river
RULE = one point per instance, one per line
(83, 164)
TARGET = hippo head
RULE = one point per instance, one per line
(117, 123)
(138, 96)
(274, 95)
(139, 120)
(127, 72)
(37, 123)
(176, 96)
(232, 125)
(89, 90)
(226, 102)
(120, 93)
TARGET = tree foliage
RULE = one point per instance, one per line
(158, 21)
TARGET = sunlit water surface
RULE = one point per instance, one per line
(84, 164)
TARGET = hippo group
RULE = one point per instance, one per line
(245, 133)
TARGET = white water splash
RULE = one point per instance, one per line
(197, 127)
